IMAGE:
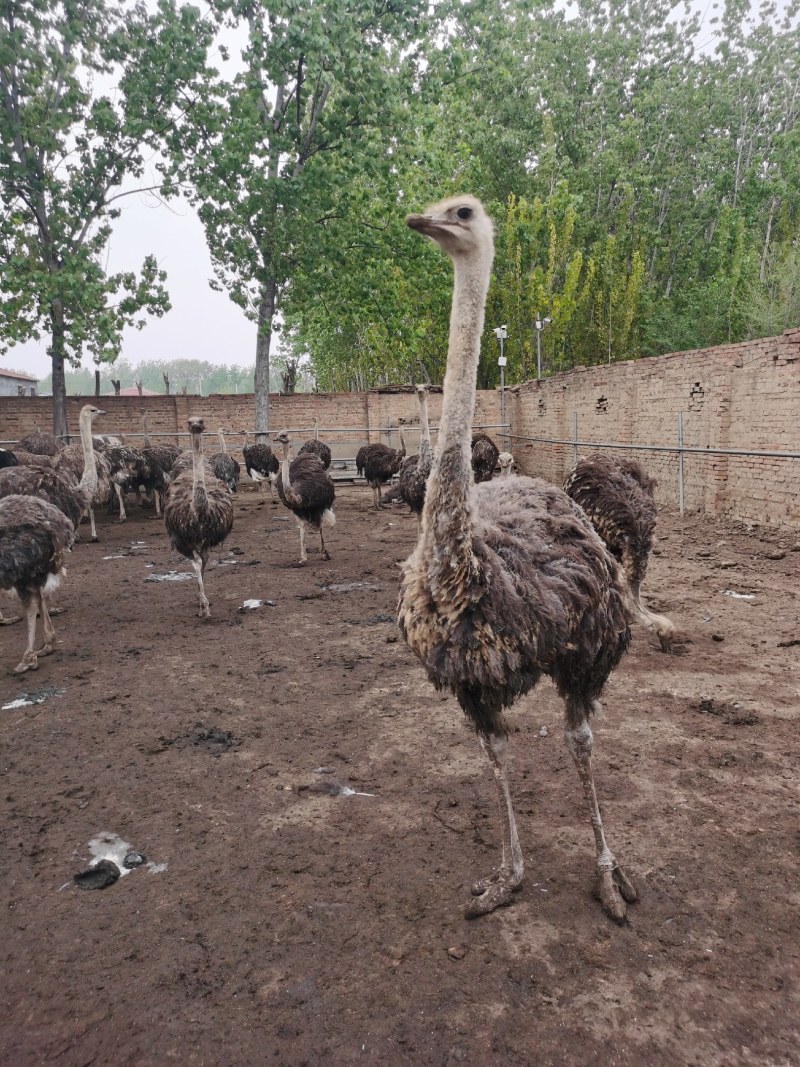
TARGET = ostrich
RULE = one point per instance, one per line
(82, 462)
(224, 466)
(414, 472)
(40, 444)
(306, 488)
(261, 465)
(198, 514)
(484, 457)
(618, 496)
(129, 469)
(361, 455)
(317, 447)
(35, 538)
(507, 464)
(8, 458)
(381, 463)
(509, 580)
(164, 455)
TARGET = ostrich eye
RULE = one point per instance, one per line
(464, 213)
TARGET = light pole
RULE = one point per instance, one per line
(540, 325)
(501, 333)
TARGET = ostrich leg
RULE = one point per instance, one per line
(325, 553)
(199, 565)
(29, 661)
(497, 889)
(47, 628)
(91, 523)
(612, 888)
(122, 515)
(303, 553)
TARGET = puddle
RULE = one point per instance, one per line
(36, 696)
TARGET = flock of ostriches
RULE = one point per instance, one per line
(511, 577)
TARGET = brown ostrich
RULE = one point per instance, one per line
(484, 457)
(59, 483)
(361, 455)
(618, 496)
(35, 538)
(262, 465)
(414, 471)
(381, 463)
(306, 488)
(317, 447)
(225, 466)
(40, 444)
(509, 580)
(198, 512)
(163, 454)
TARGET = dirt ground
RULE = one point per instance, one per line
(282, 921)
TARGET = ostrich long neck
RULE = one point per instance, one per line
(424, 428)
(88, 482)
(222, 441)
(287, 486)
(198, 471)
(446, 517)
(145, 434)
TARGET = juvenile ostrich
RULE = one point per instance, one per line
(198, 513)
(414, 472)
(484, 457)
(261, 464)
(618, 496)
(381, 463)
(509, 580)
(507, 464)
(225, 467)
(306, 488)
(59, 484)
(35, 538)
(40, 444)
(317, 447)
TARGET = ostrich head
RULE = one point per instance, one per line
(196, 425)
(421, 390)
(459, 225)
(506, 461)
(91, 412)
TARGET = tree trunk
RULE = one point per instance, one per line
(59, 382)
(266, 310)
(97, 382)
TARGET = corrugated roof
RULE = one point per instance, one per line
(15, 374)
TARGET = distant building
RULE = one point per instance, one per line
(12, 383)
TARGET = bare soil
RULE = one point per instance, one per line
(297, 924)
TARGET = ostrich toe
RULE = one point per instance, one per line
(9, 621)
(499, 892)
(29, 662)
(614, 890)
(326, 554)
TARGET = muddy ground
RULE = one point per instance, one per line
(281, 922)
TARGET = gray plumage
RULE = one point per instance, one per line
(380, 464)
(509, 581)
(83, 467)
(415, 470)
(484, 457)
(317, 448)
(35, 538)
(306, 488)
(618, 495)
(198, 513)
(261, 464)
(225, 467)
(46, 485)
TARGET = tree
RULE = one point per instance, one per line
(66, 148)
(272, 151)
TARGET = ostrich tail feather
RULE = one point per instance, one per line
(328, 518)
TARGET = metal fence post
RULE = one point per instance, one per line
(680, 461)
(574, 437)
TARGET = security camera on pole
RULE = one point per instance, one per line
(540, 325)
(501, 332)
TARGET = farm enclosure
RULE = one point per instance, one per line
(294, 925)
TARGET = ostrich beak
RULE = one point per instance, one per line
(428, 224)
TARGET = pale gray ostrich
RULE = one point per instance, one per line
(507, 464)
(509, 580)
(414, 472)
(317, 447)
(35, 537)
(306, 488)
(86, 469)
(618, 495)
(381, 463)
(225, 467)
(262, 465)
(198, 512)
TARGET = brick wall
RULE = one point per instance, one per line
(735, 396)
(743, 396)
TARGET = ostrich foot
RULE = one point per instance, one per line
(496, 891)
(29, 662)
(665, 639)
(57, 611)
(9, 621)
(326, 554)
(614, 890)
(94, 539)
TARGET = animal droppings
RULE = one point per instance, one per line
(100, 876)
(133, 859)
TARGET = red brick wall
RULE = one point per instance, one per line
(734, 396)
